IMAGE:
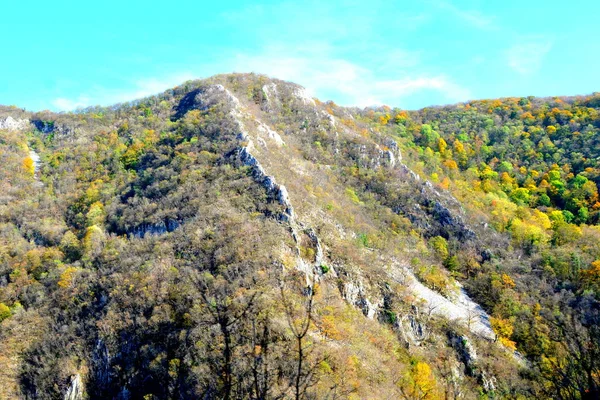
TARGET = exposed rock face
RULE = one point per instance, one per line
(44, 126)
(36, 160)
(272, 100)
(271, 134)
(488, 382)
(467, 354)
(48, 127)
(317, 245)
(75, 390)
(355, 294)
(412, 329)
(391, 158)
(279, 192)
(435, 213)
(204, 98)
(432, 208)
(11, 124)
(303, 96)
(168, 225)
(453, 222)
(101, 363)
(462, 309)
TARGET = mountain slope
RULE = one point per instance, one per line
(234, 238)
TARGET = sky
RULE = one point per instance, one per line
(63, 55)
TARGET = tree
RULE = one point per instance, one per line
(574, 372)
(29, 165)
(4, 312)
(304, 376)
(421, 384)
(591, 276)
(440, 246)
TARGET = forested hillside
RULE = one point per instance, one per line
(235, 238)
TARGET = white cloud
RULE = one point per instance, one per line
(527, 57)
(64, 104)
(347, 82)
(472, 17)
(386, 77)
(137, 89)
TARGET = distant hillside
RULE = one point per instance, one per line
(234, 238)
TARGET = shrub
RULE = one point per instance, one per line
(4, 312)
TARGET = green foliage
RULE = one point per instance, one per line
(146, 238)
(452, 264)
(391, 317)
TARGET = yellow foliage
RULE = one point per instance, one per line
(526, 233)
(352, 195)
(422, 384)
(458, 146)
(508, 281)
(4, 312)
(329, 329)
(504, 329)
(450, 164)
(487, 186)
(591, 276)
(442, 145)
(401, 117)
(92, 241)
(66, 278)
(28, 165)
(445, 183)
(508, 343)
(384, 119)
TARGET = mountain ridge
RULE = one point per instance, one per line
(355, 225)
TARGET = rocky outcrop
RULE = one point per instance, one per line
(452, 222)
(11, 124)
(271, 97)
(301, 94)
(317, 246)
(462, 310)
(412, 329)
(354, 293)
(168, 225)
(205, 97)
(271, 134)
(35, 157)
(466, 352)
(468, 356)
(101, 360)
(435, 213)
(279, 192)
(75, 390)
(44, 126)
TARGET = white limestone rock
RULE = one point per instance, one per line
(11, 124)
(271, 134)
(301, 94)
(75, 390)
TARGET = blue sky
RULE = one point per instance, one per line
(62, 55)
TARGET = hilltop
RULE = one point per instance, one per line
(235, 238)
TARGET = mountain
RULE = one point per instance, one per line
(235, 238)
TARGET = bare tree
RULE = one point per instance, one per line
(226, 314)
(304, 376)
